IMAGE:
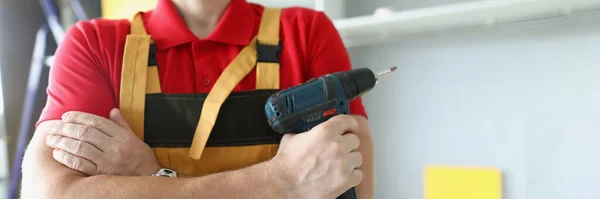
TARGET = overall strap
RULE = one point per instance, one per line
(269, 50)
(232, 75)
(137, 78)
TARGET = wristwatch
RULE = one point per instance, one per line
(164, 172)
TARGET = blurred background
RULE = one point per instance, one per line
(495, 95)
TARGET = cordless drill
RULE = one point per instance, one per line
(300, 108)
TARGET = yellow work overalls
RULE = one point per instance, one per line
(183, 129)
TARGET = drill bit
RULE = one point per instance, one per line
(386, 72)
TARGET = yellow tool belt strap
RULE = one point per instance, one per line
(133, 76)
(267, 74)
(267, 77)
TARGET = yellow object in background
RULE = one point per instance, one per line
(125, 9)
(446, 182)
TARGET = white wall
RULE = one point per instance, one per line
(523, 98)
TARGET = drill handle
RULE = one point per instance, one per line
(350, 194)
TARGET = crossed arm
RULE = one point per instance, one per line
(56, 179)
(44, 177)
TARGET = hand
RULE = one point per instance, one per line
(320, 163)
(95, 145)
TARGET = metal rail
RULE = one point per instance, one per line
(374, 29)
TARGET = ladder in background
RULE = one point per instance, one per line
(54, 28)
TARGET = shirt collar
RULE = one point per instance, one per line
(237, 25)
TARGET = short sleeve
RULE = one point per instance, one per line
(77, 79)
(327, 54)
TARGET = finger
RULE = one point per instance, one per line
(350, 142)
(105, 125)
(356, 178)
(75, 147)
(115, 116)
(74, 162)
(340, 124)
(82, 133)
(355, 159)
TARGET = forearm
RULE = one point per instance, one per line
(252, 182)
(44, 177)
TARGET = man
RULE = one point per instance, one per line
(162, 71)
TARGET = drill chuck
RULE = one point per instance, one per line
(356, 82)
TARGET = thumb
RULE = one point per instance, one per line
(115, 116)
(286, 138)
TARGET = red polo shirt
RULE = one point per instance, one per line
(86, 74)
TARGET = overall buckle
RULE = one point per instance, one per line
(268, 53)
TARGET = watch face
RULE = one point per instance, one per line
(166, 173)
